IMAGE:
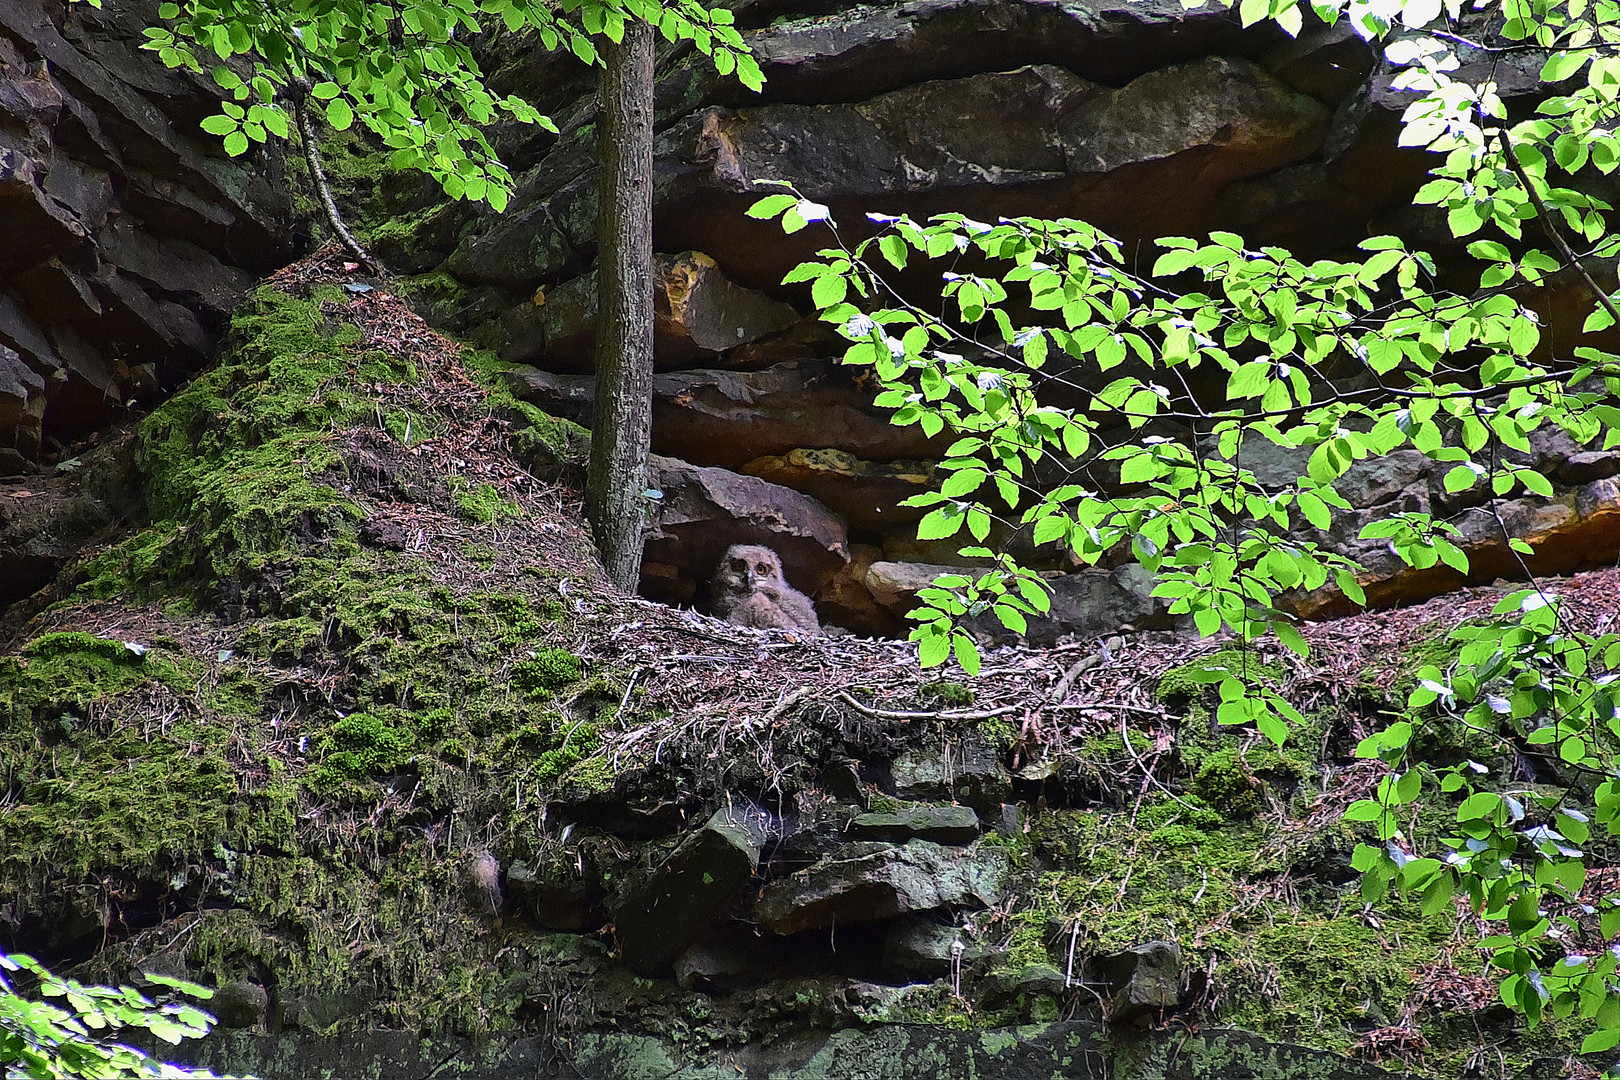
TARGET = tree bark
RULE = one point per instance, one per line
(616, 478)
(317, 176)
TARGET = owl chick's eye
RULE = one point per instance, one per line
(738, 564)
(763, 568)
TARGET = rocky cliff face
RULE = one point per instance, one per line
(1145, 119)
(129, 236)
(350, 727)
(341, 718)
(126, 239)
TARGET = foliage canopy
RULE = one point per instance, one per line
(1053, 357)
(42, 1040)
(407, 71)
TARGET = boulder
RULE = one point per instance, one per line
(895, 585)
(866, 881)
(47, 520)
(698, 313)
(703, 511)
(1006, 987)
(919, 949)
(867, 493)
(1141, 979)
(321, 1010)
(239, 1004)
(729, 418)
(1149, 159)
(552, 901)
(968, 770)
(660, 916)
(713, 965)
(846, 601)
(865, 50)
(1087, 604)
(939, 824)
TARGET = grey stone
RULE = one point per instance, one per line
(170, 965)
(865, 881)
(1075, 1050)
(710, 965)
(1029, 981)
(699, 313)
(321, 1010)
(916, 948)
(1142, 978)
(659, 917)
(239, 1003)
(704, 511)
(729, 418)
(551, 901)
(1378, 480)
(939, 824)
(968, 771)
(129, 238)
(1248, 119)
(895, 584)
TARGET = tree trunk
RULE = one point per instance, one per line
(616, 479)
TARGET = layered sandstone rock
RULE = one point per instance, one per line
(129, 235)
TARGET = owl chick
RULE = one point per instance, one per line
(749, 590)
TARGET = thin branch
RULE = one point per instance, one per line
(1545, 217)
(890, 714)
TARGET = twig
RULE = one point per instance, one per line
(629, 687)
(789, 703)
(1082, 665)
(890, 714)
(1550, 229)
(1114, 705)
(1147, 772)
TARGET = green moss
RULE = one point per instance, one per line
(1196, 678)
(267, 774)
(480, 504)
(361, 744)
(97, 781)
(949, 694)
(884, 804)
(546, 444)
(549, 670)
(593, 775)
(519, 621)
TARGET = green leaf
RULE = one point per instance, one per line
(828, 290)
(1535, 482)
(1461, 478)
(1291, 638)
(236, 143)
(1250, 380)
(942, 523)
(1364, 810)
(967, 653)
(339, 114)
(772, 206)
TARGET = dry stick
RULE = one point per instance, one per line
(1550, 229)
(1147, 771)
(889, 714)
(317, 174)
(1084, 664)
(787, 704)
